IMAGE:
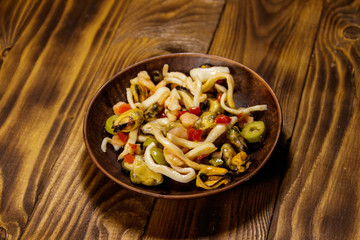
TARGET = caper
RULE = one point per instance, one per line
(216, 162)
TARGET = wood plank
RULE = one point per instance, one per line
(47, 72)
(64, 193)
(269, 38)
(179, 26)
(319, 196)
(14, 17)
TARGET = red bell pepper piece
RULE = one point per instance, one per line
(129, 158)
(181, 113)
(194, 134)
(122, 108)
(123, 137)
(200, 157)
(222, 119)
(219, 97)
(195, 110)
(133, 146)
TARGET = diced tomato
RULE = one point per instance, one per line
(129, 158)
(194, 134)
(195, 110)
(239, 115)
(219, 97)
(181, 113)
(122, 136)
(200, 157)
(133, 146)
(222, 119)
(121, 108)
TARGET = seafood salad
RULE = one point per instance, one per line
(183, 127)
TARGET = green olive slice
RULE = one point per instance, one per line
(110, 123)
(254, 131)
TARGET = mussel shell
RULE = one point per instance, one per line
(234, 136)
(129, 120)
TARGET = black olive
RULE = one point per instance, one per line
(180, 88)
(204, 106)
(156, 76)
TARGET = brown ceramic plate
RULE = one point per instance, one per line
(250, 89)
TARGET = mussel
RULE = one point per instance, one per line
(142, 174)
(234, 136)
(129, 120)
(227, 152)
(153, 112)
(206, 121)
(237, 162)
(186, 96)
(211, 177)
(215, 106)
(240, 162)
(140, 93)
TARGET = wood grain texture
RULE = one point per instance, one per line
(274, 38)
(162, 27)
(14, 17)
(45, 92)
(268, 31)
(56, 191)
(319, 197)
(54, 55)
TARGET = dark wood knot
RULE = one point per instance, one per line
(3, 235)
(352, 32)
(5, 52)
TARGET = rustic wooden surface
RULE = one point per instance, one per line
(54, 55)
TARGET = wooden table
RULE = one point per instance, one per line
(54, 56)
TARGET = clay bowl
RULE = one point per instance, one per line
(250, 89)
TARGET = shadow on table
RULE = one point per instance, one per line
(244, 211)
